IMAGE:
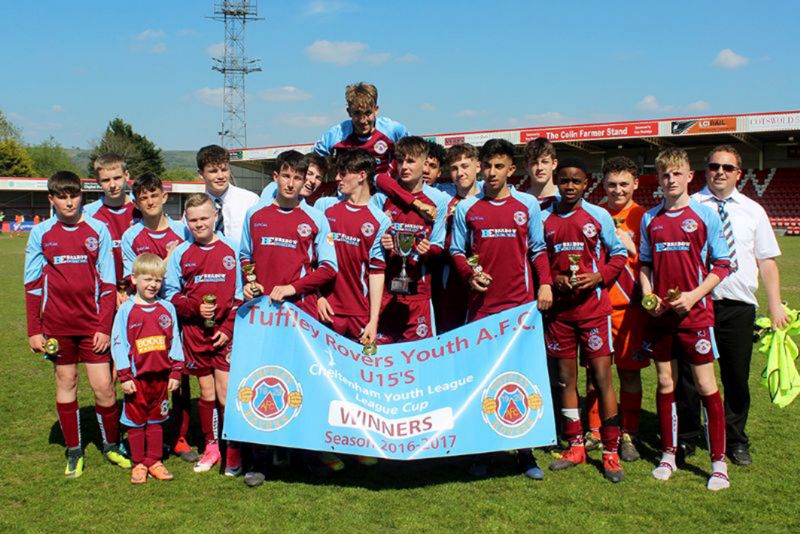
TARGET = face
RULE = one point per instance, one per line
(431, 171)
(619, 188)
(720, 181)
(363, 120)
(410, 168)
(674, 180)
(289, 181)
(541, 169)
(497, 170)
(572, 184)
(464, 172)
(348, 182)
(313, 179)
(151, 203)
(147, 285)
(217, 177)
(67, 206)
(201, 220)
(113, 181)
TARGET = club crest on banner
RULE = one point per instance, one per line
(511, 405)
(269, 398)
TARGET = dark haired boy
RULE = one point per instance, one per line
(540, 163)
(69, 297)
(293, 161)
(434, 163)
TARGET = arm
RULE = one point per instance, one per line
(34, 266)
(176, 349)
(186, 307)
(326, 259)
(120, 347)
(227, 323)
(107, 273)
(537, 248)
(772, 285)
(128, 254)
(458, 243)
(376, 282)
(617, 253)
(687, 300)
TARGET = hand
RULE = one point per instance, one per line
(545, 297)
(279, 293)
(172, 385)
(684, 303)
(562, 283)
(247, 291)
(627, 241)
(423, 247)
(778, 316)
(427, 211)
(387, 242)
(122, 296)
(659, 309)
(324, 310)
(370, 332)
(129, 387)
(587, 281)
(36, 343)
(207, 310)
(100, 342)
(480, 281)
(220, 339)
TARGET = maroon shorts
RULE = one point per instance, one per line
(404, 320)
(149, 403)
(593, 336)
(697, 345)
(350, 326)
(75, 349)
(204, 363)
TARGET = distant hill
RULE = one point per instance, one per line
(173, 159)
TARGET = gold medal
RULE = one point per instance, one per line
(650, 302)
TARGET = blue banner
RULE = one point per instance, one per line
(480, 388)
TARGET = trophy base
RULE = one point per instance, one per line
(400, 286)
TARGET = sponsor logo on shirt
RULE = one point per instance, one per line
(703, 346)
(520, 217)
(165, 321)
(260, 225)
(689, 225)
(50, 244)
(91, 243)
(498, 232)
(150, 344)
(209, 277)
(344, 238)
(589, 230)
(672, 246)
(381, 147)
(408, 227)
(71, 258)
(367, 229)
(568, 245)
(304, 230)
(229, 262)
(279, 242)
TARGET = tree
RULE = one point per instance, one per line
(8, 130)
(14, 160)
(180, 174)
(140, 154)
(49, 157)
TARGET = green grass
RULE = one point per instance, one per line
(429, 495)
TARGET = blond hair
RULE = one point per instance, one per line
(671, 157)
(107, 161)
(149, 264)
(196, 200)
(361, 96)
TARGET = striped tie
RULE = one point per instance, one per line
(219, 228)
(727, 230)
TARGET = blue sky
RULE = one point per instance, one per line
(440, 66)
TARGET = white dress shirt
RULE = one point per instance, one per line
(235, 203)
(754, 239)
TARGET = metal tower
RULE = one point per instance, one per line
(234, 66)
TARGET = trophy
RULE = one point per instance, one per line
(403, 244)
(250, 275)
(650, 302)
(51, 346)
(209, 299)
(673, 294)
(370, 347)
(574, 267)
(474, 262)
(618, 221)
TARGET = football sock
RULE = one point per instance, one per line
(136, 441)
(70, 423)
(207, 411)
(715, 425)
(573, 429)
(108, 420)
(609, 433)
(667, 421)
(665, 467)
(155, 444)
(631, 407)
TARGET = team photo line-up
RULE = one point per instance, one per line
(402, 254)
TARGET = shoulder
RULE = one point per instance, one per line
(448, 189)
(436, 195)
(465, 205)
(390, 128)
(228, 243)
(126, 307)
(97, 226)
(167, 305)
(596, 212)
(93, 207)
(42, 228)
(325, 203)
(179, 250)
(337, 132)
(379, 216)
(526, 199)
(131, 233)
(313, 213)
(706, 213)
(243, 196)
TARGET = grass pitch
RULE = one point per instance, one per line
(433, 495)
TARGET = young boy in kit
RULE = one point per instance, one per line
(503, 228)
(114, 208)
(585, 258)
(434, 164)
(541, 163)
(317, 169)
(408, 317)
(69, 297)
(204, 284)
(148, 356)
(684, 255)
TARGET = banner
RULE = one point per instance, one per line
(591, 132)
(480, 388)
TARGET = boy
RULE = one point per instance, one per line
(149, 360)
(207, 266)
(231, 202)
(434, 163)
(114, 208)
(69, 296)
(585, 257)
(503, 227)
(317, 170)
(540, 162)
(680, 240)
(408, 317)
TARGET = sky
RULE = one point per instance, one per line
(440, 66)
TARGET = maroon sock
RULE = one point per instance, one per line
(208, 423)
(631, 408)
(136, 441)
(715, 425)
(609, 434)
(70, 423)
(108, 419)
(573, 431)
(667, 421)
(155, 444)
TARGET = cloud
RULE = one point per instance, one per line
(468, 113)
(326, 7)
(699, 105)
(216, 50)
(549, 118)
(649, 103)
(287, 93)
(210, 96)
(150, 41)
(427, 106)
(303, 121)
(150, 35)
(56, 108)
(343, 53)
(728, 59)
(157, 48)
